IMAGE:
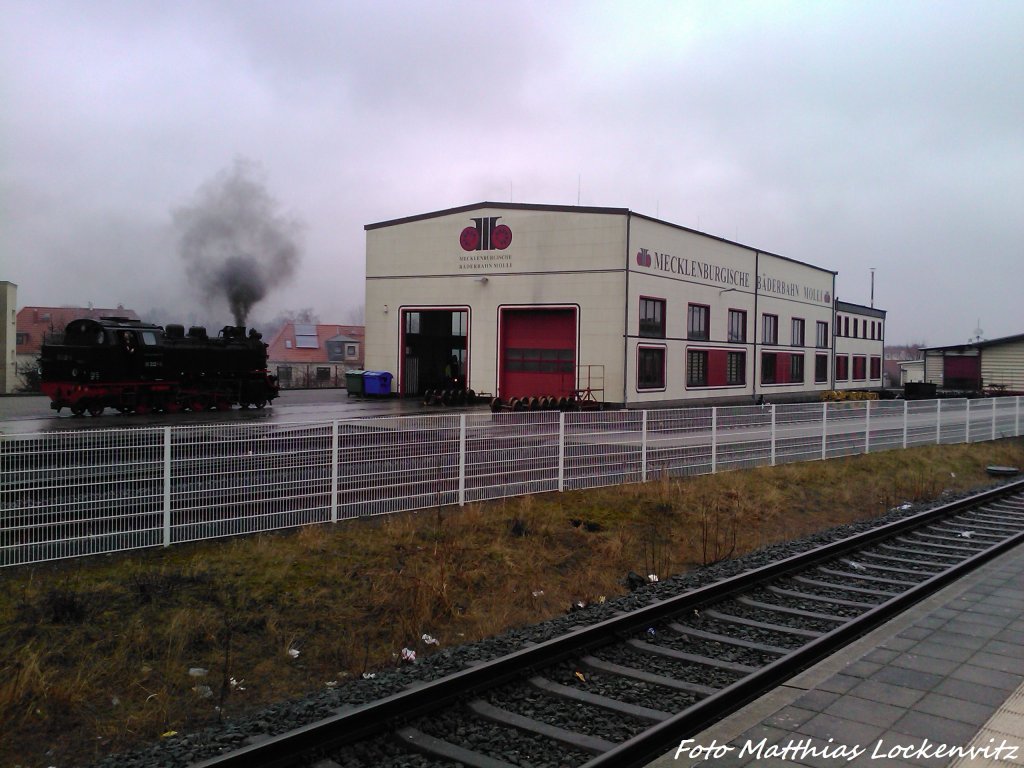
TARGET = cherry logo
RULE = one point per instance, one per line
(643, 258)
(469, 239)
(487, 235)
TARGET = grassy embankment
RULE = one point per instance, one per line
(95, 653)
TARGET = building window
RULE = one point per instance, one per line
(770, 332)
(822, 338)
(798, 332)
(323, 374)
(768, 364)
(351, 351)
(796, 369)
(820, 368)
(736, 368)
(650, 368)
(21, 338)
(652, 318)
(697, 322)
(855, 333)
(842, 367)
(876, 367)
(306, 336)
(846, 326)
(859, 368)
(737, 326)
(696, 369)
(522, 360)
(284, 375)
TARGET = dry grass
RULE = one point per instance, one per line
(95, 654)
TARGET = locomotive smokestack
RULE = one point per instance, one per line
(234, 242)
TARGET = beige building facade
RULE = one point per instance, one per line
(520, 300)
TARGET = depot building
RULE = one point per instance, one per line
(520, 300)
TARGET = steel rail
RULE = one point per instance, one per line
(378, 716)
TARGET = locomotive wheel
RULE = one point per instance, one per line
(470, 396)
(77, 410)
(198, 406)
(96, 409)
(142, 408)
(260, 404)
(172, 406)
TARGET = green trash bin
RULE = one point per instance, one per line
(354, 382)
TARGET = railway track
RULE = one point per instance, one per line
(627, 689)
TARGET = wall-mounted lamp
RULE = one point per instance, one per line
(481, 280)
(385, 309)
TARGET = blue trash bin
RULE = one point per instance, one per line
(377, 382)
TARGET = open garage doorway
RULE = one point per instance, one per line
(434, 349)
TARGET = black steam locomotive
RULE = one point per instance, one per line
(137, 367)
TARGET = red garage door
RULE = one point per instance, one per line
(961, 372)
(538, 353)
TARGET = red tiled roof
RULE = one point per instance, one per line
(38, 321)
(279, 351)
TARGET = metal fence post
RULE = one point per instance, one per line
(773, 434)
(714, 437)
(643, 447)
(993, 418)
(167, 486)
(824, 429)
(867, 426)
(938, 422)
(334, 471)
(1016, 418)
(967, 426)
(905, 423)
(462, 460)
(561, 450)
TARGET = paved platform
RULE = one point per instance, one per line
(947, 675)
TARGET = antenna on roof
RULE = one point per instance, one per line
(872, 287)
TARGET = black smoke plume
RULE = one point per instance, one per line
(235, 243)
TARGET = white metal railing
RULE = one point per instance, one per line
(66, 494)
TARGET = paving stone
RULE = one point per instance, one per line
(993, 678)
(865, 711)
(956, 709)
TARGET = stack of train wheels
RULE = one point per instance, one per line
(542, 403)
(449, 397)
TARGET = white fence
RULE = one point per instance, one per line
(66, 494)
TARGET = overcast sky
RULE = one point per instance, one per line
(848, 135)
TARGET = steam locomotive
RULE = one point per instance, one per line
(137, 367)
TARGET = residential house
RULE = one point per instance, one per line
(305, 356)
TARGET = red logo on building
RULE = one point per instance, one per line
(487, 235)
(643, 258)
